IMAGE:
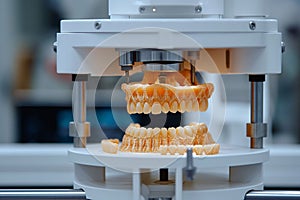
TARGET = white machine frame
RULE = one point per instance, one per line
(237, 39)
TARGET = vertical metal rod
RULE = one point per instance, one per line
(257, 102)
(127, 77)
(80, 110)
(80, 102)
(42, 194)
(256, 111)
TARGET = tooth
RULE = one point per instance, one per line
(156, 108)
(181, 149)
(188, 131)
(163, 149)
(128, 130)
(148, 145)
(172, 149)
(182, 106)
(156, 131)
(171, 135)
(208, 149)
(141, 144)
(194, 128)
(189, 106)
(202, 128)
(165, 108)
(198, 149)
(136, 132)
(164, 136)
(156, 138)
(180, 135)
(143, 134)
(195, 105)
(189, 140)
(149, 132)
(139, 108)
(147, 108)
(180, 132)
(133, 146)
(216, 149)
(131, 108)
(174, 107)
(203, 105)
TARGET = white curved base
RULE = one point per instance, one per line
(228, 175)
(207, 186)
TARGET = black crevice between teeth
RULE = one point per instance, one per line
(173, 119)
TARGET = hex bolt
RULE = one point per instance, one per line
(252, 25)
(198, 9)
(142, 9)
(190, 170)
(98, 25)
(55, 47)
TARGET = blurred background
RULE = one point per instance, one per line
(36, 103)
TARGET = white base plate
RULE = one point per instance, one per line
(207, 185)
(123, 161)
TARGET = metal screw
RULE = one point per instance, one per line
(282, 47)
(142, 9)
(98, 25)
(55, 47)
(190, 170)
(198, 9)
(252, 25)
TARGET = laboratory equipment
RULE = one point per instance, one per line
(158, 38)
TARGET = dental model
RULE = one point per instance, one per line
(110, 146)
(209, 149)
(164, 98)
(140, 139)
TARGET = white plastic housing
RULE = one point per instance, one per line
(165, 8)
(228, 46)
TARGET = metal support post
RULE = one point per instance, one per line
(257, 130)
(80, 128)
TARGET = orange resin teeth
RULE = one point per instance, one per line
(172, 140)
(164, 98)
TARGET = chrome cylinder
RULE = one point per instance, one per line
(257, 130)
(80, 128)
(42, 194)
(271, 195)
(257, 102)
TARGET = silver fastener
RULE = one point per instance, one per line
(198, 9)
(142, 9)
(98, 25)
(282, 47)
(55, 47)
(252, 25)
